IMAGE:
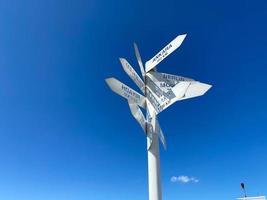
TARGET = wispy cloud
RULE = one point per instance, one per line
(184, 179)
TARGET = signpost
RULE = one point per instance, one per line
(160, 90)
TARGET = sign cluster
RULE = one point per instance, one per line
(160, 90)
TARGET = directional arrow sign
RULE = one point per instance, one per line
(180, 89)
(164, 93)
(195, 89)
(161, 135)
(161, 100)
(153, 127)
(126, 92)
(166, 81)
(139, 60)
(154, 101)
(149, 128)
(168, 88)
(133, 75)
(138, 115)
(160, 103)
(167, 50)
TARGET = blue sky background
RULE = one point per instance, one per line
(65, 136)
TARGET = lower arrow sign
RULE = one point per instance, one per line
(126, 92)
(147, 125)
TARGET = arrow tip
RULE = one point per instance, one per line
(109, 80)
(121, 59)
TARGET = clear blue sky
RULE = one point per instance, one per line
(65, 136)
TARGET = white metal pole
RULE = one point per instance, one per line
(154, 187)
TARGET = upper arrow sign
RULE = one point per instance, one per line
(133, 75)
(167, 50)
(126, 92)
(139, 60)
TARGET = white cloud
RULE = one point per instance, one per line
(184, 179)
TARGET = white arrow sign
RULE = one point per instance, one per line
(138, 115)
(154, 101)
(167, 50)
(161, 135)
(195, 89)
(126, 92)
(167, 89)
(153, 127)
(182, 90)
(139, 60)
(166, 81)
(132, 74)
